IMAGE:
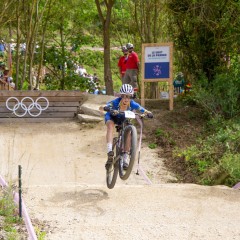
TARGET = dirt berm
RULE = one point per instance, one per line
(65, 190)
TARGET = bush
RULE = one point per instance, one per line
(215, 159)
(222, 95)
(9, 211)
(230, 163)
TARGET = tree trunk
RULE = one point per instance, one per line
(148, 23)
(44, 29)
(10, 51)
(18, 44)
(28, 31)
(62, 82)
(106, 42)
(107, 63)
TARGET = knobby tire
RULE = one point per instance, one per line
(124, 174)
(112, 172)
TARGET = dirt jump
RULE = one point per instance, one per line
(64, 188)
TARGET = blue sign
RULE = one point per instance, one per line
(157, 70)
(157, 62)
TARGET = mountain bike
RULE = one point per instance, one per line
(124, 144)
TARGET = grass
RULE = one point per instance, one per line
(11, 225)
(152, 145)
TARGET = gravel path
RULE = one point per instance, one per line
(64, 187)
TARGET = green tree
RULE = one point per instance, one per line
(69, 27)
(150, 26)
(6, 8)
(205, 34)
(30, 29)
(105, 13)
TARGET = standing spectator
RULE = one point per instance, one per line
(98, 91)
(132, 68)
(11, 84)
(22, 48)
(95, 79)
(82, 71)
(5, 79)
(12, 45)
(77, 69)
(2, 48)
(122, 62)
(6, 75)
(2, 68)
(179, 83)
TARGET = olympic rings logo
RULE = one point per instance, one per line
(21, 108)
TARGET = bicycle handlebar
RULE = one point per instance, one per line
(116, 112)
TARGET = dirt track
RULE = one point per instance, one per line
(64, 182)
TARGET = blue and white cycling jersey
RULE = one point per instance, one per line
(115, 105)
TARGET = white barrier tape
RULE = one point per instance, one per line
(141, 128)
(2, 182)
(237, 186)
(142, 173)
(139, 168)
(28, 223)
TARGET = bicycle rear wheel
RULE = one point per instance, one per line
(130, 136)
(112, 172)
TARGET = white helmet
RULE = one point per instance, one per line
(129, 45)
(124, 49)
(126, 89)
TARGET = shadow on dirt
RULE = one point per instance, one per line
(84, 201)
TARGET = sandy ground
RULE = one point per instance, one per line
(64, 187)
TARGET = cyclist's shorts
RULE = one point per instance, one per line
(116, 119)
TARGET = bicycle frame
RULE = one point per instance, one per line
(120, 129)
(124, 143)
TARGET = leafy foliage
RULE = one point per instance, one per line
(221, 97)
(206, 49)
(152, 145)
(93, 59)
(205, 34)
(8, 209)
(215, 159)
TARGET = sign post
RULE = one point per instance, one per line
(157, 66)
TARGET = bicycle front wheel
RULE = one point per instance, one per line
(130, 145)
(112, 172)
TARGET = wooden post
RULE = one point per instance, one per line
(171, 88)
(142, 84)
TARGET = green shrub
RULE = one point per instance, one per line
(8, 209)
(215, 159)
(152, 145)
(222, 95)
(230, 163)
(7, 205)
(164, 138)
(159, 132)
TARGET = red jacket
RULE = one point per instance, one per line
(122, 64)
(133, 60)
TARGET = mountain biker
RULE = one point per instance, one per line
(112, 117)
(122, 62)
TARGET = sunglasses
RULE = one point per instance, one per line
(126, 96)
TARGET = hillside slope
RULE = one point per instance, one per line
(65, 191)
(169, 130)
